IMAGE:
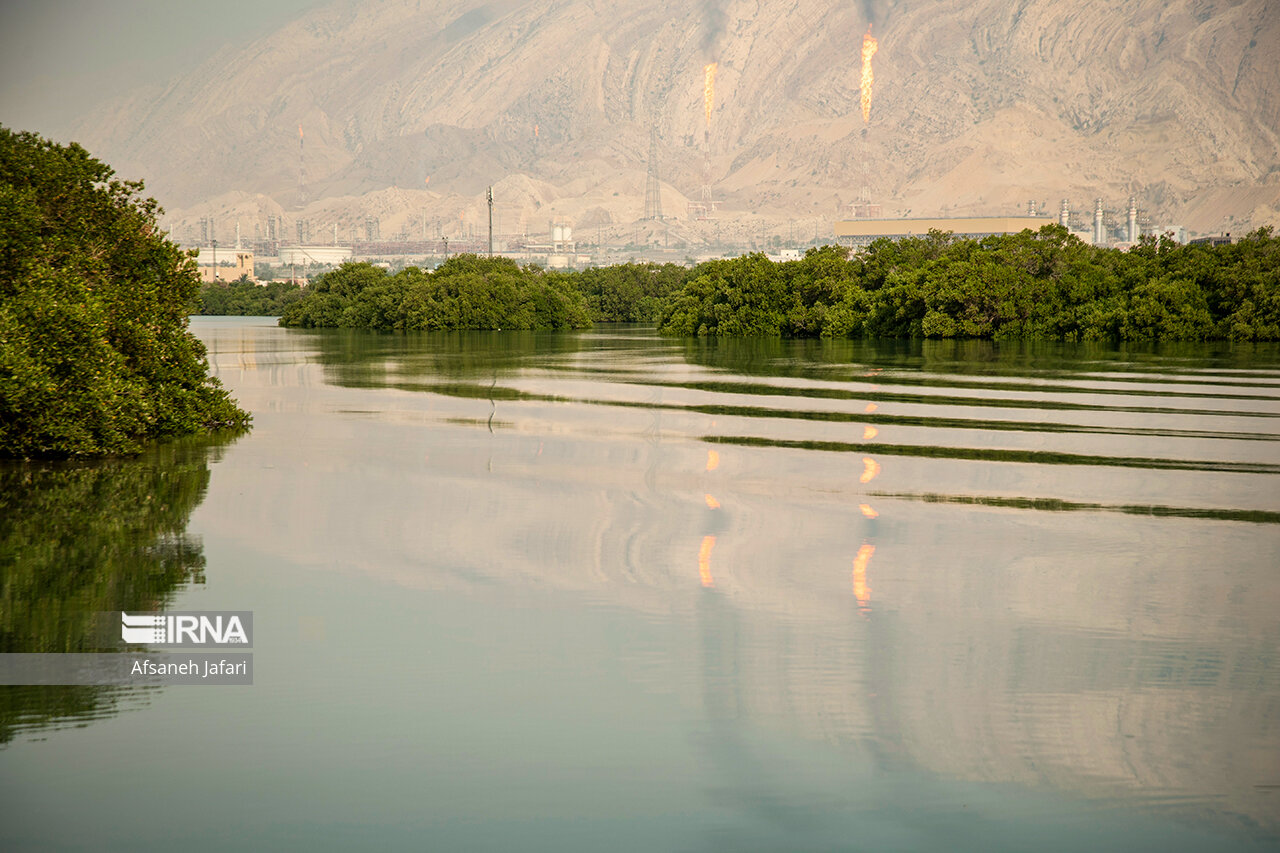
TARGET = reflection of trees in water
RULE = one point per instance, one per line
(361, 358)
(77, 540)
(801, 357)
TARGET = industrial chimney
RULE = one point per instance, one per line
(1099, 230)
(1133, 220)
(1064, 215)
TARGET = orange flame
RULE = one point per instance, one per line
(709, 91)
(704, 561)
(427, 182)
(868, 511)
(712, 503)
(869, 48)
(869, 432)
(861, 591)
(871, 407)
(870, 469)
(299, 133)
(535, 131)
(713, 460)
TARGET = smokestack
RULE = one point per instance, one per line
(239, 246)
(1031, 208)
(1133, 220)
(1064, 215)
(1099, 230)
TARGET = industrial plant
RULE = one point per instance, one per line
(1106, 227)
(428, 228)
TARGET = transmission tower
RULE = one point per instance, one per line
(653, 189)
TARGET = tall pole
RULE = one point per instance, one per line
(491, 222)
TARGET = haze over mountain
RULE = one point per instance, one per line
(977, 108)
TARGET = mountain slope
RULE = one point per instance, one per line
(976, 108)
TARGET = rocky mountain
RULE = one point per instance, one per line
(408, 109)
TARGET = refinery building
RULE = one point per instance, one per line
(867, 225)
(860, 232)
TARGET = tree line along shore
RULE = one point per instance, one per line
(96, 357)
(1045, 285)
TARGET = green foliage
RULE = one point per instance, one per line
(628, 293)
(465, 292)
(95, 356)
(243, 298)
(1044, 285)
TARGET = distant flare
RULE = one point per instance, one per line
(869, 432)
(713, 460)
(712, 503)
(870, 470)
(869, 48)
(871, 407)
(867, 511)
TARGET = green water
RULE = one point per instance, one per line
(609, 591)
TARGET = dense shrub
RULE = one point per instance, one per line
(628, 293)
(95, 356)
(1044, 285)
(243, 298)
(465, 292)
(1032, 285)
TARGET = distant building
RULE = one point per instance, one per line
(860, 232)
(785, 255)
(231, 264)
(322, 255)
(1177, 232)
(864, 210)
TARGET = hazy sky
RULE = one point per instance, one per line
(58, 58)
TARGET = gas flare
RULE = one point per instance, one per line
(709, 91)
(535, 131)
(869, 48)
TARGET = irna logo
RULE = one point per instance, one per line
(186, 629)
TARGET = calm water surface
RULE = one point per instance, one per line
(608, 591)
